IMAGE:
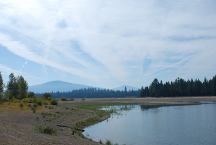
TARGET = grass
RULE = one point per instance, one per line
(90, 107)
(49, 116)
(44, 129)
(99, 115)
(88, 121)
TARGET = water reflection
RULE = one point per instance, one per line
(173, 125)
(147, 107)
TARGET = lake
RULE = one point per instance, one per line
(171, 125)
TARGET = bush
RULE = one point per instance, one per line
(108, 142)
(45, 103)
(21, 105)
(39, 103)
(45, 129)
(63, 99)
(54, 102)
(100, 142)
(47, 96)
(31, 94)
(33, 109)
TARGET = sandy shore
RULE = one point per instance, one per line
(17, 127)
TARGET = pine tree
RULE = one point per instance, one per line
(12, 87)
(22, 88)
(154, 88)
(1, 86)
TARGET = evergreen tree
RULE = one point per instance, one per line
(142, 92)
(154, 88)
(22, 88)
(12, 87)
(1, 86)
(125, 89)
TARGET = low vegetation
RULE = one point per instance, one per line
(108, 142)
(45, 129)
(99, 116)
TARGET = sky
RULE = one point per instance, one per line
(107, 43)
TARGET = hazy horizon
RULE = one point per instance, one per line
(107, 43)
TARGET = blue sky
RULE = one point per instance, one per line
(107, 43)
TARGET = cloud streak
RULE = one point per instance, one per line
(113, 42)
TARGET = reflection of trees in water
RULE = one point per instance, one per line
(147, 107)
(118, 110)
(126, 107)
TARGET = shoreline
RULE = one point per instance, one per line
(69, 119)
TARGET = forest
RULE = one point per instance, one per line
(96, 93)
(180, 87)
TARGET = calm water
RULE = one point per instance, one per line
(176, 125)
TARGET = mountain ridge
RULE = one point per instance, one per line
(57, 86)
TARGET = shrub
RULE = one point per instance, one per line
(34, 105)
(33, 109)
(39, 103)
(100, 142)
(54, 102)
(50, 107)
(45, 129)
(31, 94)
(45, 103)
(21, 105)
(108, 142)
(63, 99)
(47, 96)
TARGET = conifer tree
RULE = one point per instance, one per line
(22, 88)
(1, 86)
(12, 87)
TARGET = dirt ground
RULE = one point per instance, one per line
(18, 127)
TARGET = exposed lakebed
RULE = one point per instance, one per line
(168, 125)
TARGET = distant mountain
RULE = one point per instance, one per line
(122, 88)
(55, 86)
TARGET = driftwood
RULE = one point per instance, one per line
(65, 126)
(73, 129)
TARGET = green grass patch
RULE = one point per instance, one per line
(99, 116)
(90, 107)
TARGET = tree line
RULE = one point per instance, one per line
(16, 88)
(180, 87)
(96, 93)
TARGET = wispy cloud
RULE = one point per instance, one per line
(119, 41)
(19, 49)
